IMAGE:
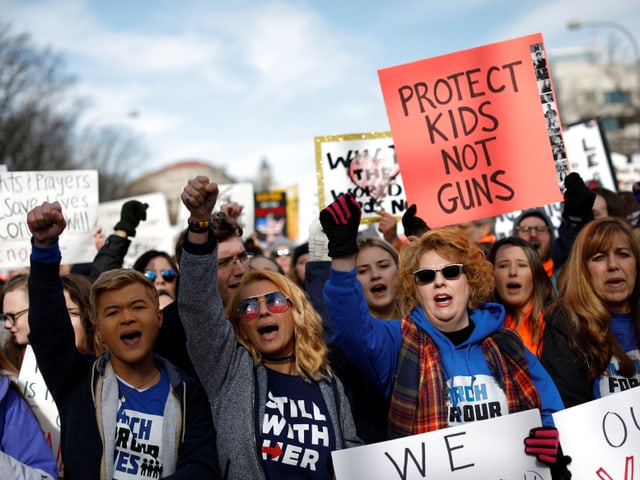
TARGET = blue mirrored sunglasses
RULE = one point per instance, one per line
(168, 275)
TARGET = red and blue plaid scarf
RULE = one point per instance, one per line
(419, 398)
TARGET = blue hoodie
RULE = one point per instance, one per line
(373, 345)
(24, 451)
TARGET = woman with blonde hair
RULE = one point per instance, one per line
(278, 409)
(591, 342)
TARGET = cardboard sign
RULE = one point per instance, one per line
(364, 164)
(477, 132)
(588, 153)
(271, 215)
(602, 437)
(77, 192)
(154, 233)
(37, 394)
(489, 449)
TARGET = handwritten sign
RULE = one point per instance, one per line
(602, 437)
(477, 132)
(589, 154)
(37, 394)
(489, 449)
(364, 164)
(154, 233)
(77, 192)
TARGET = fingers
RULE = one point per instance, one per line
(199, 196)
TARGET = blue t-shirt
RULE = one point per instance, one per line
(611, 381)
(296, 437)
(138, 451)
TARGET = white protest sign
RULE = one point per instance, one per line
(602, 437)
(154, 233)
(37, 394)
(364, 164)
(241, 193)
(588, 155)
(77, 192)
(489, 449)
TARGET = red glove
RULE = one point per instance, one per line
(543, 442)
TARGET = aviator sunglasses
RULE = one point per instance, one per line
(276, 302)
(428, 275)
(168, 275)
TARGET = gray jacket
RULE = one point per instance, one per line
(227, 373)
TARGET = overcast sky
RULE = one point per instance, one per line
(232, 82)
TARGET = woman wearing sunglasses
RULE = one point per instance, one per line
(278, 409)
(162, 270)
(450, 347)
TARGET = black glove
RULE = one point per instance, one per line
(412, 224)
(131, 214)
(578, 202)
(340, 222)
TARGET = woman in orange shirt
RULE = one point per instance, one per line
(523, 287)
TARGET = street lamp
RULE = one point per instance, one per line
(577, 24)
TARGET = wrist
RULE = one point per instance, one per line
(199, 226)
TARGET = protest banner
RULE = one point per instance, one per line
(37, 394)
(477, 132)
(77, 192)
(364, 164)
(588, 153)
(271, 215)
(602, 437)
(154, 233)
(460, 452)
(240, 193)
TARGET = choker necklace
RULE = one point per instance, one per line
(279, 360)
(123, 395)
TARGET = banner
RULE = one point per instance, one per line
(364, 164)
(77, 192)
(602, 437)
(477, 132)
(489, 449)
(588, 153)
(271, 215)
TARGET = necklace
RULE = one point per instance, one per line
(123, 395)
(281, 360)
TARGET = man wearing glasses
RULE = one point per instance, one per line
(535, 227)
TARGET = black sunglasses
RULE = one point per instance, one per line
(428, 275)
(168, 275)
(276, 302)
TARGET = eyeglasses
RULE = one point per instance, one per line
(276, 302)
(168, 275)
(428, 275)
(281, 252)
(528, 228)
(12, 318)
(243, 258)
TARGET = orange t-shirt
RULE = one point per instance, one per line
(524, 330)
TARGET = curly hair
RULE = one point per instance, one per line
(587, 317)
(542, 286)
(309, 347)
(452, 244)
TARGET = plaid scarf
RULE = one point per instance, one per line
(419, 398)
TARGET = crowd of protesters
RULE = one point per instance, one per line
(222, 348)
